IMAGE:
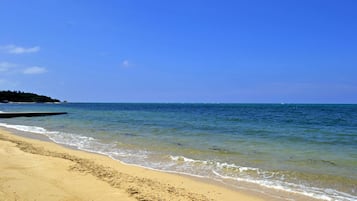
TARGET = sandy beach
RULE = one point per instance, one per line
(31, 169)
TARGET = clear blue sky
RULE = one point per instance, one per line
(181, 51)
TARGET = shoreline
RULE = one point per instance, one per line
(129, 182)
(159, 141)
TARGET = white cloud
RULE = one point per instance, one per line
(125, 63)
(12, 68)
(6, 66)
(34, 70)
(13, 49)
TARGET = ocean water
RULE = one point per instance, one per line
(304, 149)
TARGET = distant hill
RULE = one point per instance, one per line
(18, 96)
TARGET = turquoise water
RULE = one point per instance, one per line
(305, 149)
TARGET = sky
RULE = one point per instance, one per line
(288, 51)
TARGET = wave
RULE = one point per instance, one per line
(180, 164)
(267, 179)
(75, 140)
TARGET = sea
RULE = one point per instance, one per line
(303, 149)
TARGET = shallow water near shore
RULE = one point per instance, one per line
(305, 149)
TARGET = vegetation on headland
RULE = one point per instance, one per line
(19, 96)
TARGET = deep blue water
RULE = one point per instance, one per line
(307, 149)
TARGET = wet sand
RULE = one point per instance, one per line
(31, 169)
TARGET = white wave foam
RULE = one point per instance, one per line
(32, 129)
(318, 193)
(281, 186)
(81, 142)
(184, 159)
(214, 163)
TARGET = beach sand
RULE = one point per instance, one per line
(32, 170)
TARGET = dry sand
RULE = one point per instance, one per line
(43, 171)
